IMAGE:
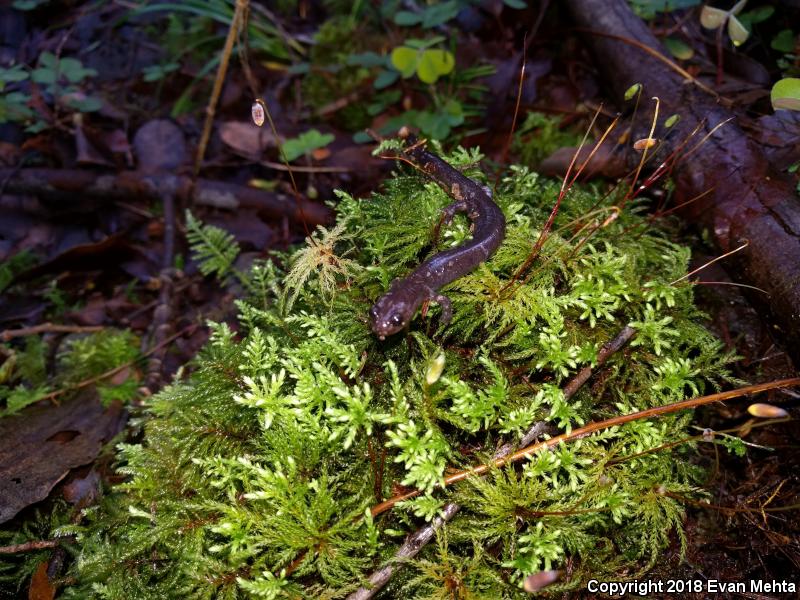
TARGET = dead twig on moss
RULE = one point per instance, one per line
(34, 545)
(9, 334)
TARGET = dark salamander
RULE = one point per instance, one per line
(395, 309)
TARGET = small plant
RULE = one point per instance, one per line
(305, 144)
(58, 77)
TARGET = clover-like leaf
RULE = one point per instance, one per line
(737, 32)
(405, 60)
(786, 94)
(433, 64)
(712, 18)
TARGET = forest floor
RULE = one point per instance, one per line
(102, 121)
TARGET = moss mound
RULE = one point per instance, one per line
(257, 472)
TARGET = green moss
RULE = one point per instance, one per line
(256, 472)
(539, 136)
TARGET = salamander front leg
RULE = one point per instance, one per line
(448, 213)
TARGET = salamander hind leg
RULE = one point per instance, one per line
(447, 307)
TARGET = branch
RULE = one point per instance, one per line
(64, 185)
(35, 545)
(48, 328)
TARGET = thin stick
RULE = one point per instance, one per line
(711, 262)
(657, 55)
(48, 328)
(510, 137)
(34, 545)
(222, 69)
(591, 428)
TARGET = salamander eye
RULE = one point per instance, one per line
(396, 319)
(373, 313)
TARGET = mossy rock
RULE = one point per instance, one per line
(256, 472)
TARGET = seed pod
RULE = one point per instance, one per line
(766, 411)
(258, 111)
(435, 369)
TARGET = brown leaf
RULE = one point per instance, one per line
(83, 491)
(39, 446)
(41, 587)
(243, 137)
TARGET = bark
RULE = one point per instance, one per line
(750, 201)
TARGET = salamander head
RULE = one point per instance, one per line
(389, 315)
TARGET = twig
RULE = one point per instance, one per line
(591, 428)
(162, 315)
(48, 328)
(657, 55)
(304, 169)
(34, 545)
(233, 32)
(417, 540)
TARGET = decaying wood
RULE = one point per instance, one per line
(749, 201)
(58, 185)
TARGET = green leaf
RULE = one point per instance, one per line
(432, 125)
(85, 104)
(48, 59)
(406, 18)
(433, 64)
(28, 4)
(454, 112)
(157, 72)
(74, 71)
(405, 59)
(678, 48)
(784, 41)
(366, 59)
(44, 76)
(712, 18)
(737, 32)
(757, 15)
(672, 120)
(439, 14)
(385, 78)
(786, 94)
(13, 74)
(305, 143)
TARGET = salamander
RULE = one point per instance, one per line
(395, 309)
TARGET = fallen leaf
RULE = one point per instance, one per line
(39, 446)
(41, 588)
(243, 137)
